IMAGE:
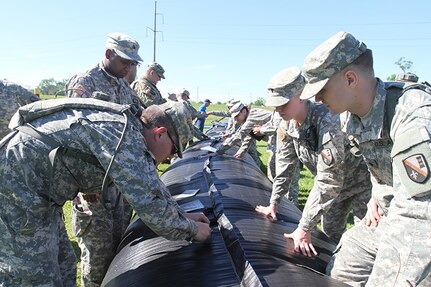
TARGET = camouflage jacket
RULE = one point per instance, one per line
(269, 129)
(25, 169)
(397, 154)
(242, 134)
(98, 83)
(322, 147)
(147, 92)
(12, 96)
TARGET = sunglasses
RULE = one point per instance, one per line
(174, 146)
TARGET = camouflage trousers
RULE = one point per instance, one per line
(396, 253)
(39, 253)
(355, 199)
(98, 232)
(252, 150)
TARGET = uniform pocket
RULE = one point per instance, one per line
(81, 218)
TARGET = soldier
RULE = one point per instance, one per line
(244, 135)
(269, 130)
(183, 96)
(315, 138)
(146, 88)
(390, 125)
(12, 96)
(63, 146)
(232, 125)
(97, 230)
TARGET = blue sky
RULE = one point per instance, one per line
(215, 49)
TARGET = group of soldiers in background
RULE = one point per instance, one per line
(373, 160)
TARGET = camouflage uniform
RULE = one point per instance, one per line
(97, 230)
(232, 125)
(12, 96)
(394, 139)
(147, 92)
(269, 129)
(243, 134)
(341, 179)
(193, 113)
(284, 183)
(33, 190)
(391, 257)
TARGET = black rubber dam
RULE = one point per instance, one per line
(246, 248)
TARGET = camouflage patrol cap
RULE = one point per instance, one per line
(177, 112)
(183, 92)
(124, 46)
(407, 77)
(236, 109)
(329, 58)
(231, 102)
(284, 86)
(157, 68)
(173, 116)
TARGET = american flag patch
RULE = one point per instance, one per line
(82, 92)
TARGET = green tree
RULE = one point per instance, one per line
(405, 66)
(259, 102)
(51, 86)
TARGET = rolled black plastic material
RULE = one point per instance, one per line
(246, 248)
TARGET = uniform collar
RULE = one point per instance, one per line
(370, 126)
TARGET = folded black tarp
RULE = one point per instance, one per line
(246, 248)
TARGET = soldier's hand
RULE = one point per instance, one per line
(237, 155)
(302, 242)
(269, 211)
(198, 217)
(374, 213)
(204, 232)
(256, 130)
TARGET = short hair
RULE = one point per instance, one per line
(154, 116)
(364, 61)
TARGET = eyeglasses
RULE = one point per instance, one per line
(175, 149)
(137, 64)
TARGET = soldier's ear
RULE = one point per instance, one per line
(158, 131)
(351, 78)
(109, 54)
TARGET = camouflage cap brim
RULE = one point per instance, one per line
(312, 89)
(130, 56)
(276, 101)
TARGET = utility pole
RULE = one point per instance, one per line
(155, 30)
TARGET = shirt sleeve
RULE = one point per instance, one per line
(411, 151)
(134, 173)
(286, 161)
(329, 179)
(80, 87)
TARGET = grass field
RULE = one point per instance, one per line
(305, 183)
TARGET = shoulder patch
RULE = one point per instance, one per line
(327, 156)
(81, 91)
(416, 167)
